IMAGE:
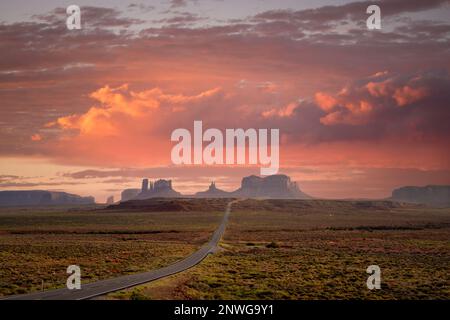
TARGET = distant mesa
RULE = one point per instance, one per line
(438, 196)
(276, 187)
(41, 198)
(158, 189)
(129, 194)
(213, 192)
(110, 200)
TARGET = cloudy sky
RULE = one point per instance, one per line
(91, 111)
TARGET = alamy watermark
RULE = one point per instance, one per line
(74, 280)
(374, 20)
(73, 21)
(229, 150)
(374, 280)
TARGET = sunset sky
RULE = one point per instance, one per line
(91, 111)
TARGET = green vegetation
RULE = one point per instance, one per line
(37, 246)
(272, 249)
(320, 250)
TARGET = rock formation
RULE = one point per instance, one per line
(213, 192)
(129, 194)
(277, 186)
(144, 185)
(430, 195)
(41, 197)
(159, 189)
(110, 200)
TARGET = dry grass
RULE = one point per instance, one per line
(36, 246)
(272, 249)
(319, 250)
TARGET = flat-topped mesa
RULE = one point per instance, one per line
(41, 198)
(129, 194)
(277, 186)
(430, 195)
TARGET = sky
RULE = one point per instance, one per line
(91, 111)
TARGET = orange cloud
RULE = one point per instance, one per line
(332, 118)
(286, 111)
(407, 95)
(378, 89)
(324, 101)
(126, 127)
(117, 104)
(352, 113)
(358, 102)
(36, 137)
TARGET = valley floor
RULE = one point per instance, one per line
(319, 250)
(272, 249)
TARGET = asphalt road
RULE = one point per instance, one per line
(98, 288)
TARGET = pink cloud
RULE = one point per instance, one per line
(286, 111)
(325, 101)
(36, 137)
(407, 95)
(118, 104)
(362, 103)
(125, 127)
(378, 89)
